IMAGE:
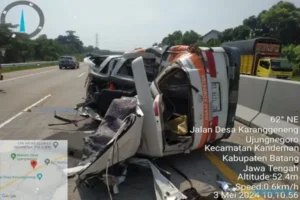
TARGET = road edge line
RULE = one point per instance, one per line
(16, 78)
(25, 110)
(81, 75)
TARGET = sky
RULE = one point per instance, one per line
(128, 24)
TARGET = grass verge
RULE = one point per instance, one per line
(296, 78)
(12, 69)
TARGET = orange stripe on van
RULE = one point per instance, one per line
(177, 51)
(139, 51)
(203, 81)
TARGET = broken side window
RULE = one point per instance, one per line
(126, 69)
(105, 69)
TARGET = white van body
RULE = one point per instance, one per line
(208, 100)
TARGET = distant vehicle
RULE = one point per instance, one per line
(1, 76)
(68, 62)
(261, 57)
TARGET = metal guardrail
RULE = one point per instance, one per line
(29, 64)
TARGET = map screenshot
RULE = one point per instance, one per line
(33, 169)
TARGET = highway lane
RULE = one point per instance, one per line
(26, 88)
(21, 90)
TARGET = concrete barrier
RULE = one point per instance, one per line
(282, 98)
(251, 95)
(270, 103)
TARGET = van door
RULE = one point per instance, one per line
(151, 143)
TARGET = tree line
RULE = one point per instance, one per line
(19, 48)
(281, 21)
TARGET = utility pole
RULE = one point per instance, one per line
(97, 41)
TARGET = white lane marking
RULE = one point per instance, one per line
(25, 110)
(27, 76)
(9, 120)
(81, 75)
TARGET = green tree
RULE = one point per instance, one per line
(71, 41)
(213, 43)
(44, 36)
(172, 39)
(283, 22)
(190, 37)
(19, 48)
(257, 28)
(241, 32)
(88, 49)
(227, 35)
(292, 52)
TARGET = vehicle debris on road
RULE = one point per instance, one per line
(155, 109)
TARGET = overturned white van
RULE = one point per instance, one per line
(178, 113)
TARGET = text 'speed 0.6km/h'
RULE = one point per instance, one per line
(33, 169)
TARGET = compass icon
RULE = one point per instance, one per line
(22, 21)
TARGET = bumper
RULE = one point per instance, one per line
(68, 65)
(283, 77)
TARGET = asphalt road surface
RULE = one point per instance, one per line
(29, 98)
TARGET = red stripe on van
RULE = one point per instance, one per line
(214, 125)
(211, 64)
